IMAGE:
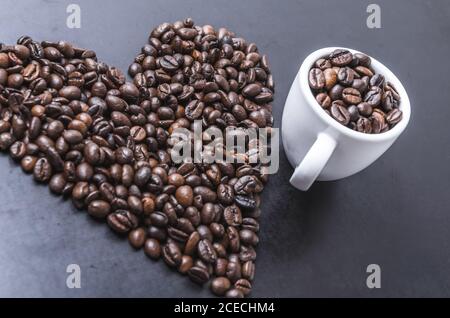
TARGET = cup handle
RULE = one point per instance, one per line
(315, 160)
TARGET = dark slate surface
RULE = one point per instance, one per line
(395, 213)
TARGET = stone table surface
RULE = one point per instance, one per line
(396, 213)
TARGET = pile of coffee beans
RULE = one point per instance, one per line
(78, 125)
(350, 91)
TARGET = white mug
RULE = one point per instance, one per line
(318, 146)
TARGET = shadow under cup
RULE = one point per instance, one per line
(305, 123)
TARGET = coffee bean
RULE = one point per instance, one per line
(244, 286)
(28, 163)
(351, 96)
(198, 274)
(18, 150)
(137, 237)
(42, 171)
(316, 79)
(363, 125)
(171, 254)
(220, 285)
(57, 183)
(232, 215)
(99, 209)
(394, 117)
(206, 251)
(340, 57)
(365, 109)
(73, 136)
(122, 221)
(324, 100)
(184, 195)
(248, 270)
(363, 59)
(152, 248)
(186, 264)
(340, 113)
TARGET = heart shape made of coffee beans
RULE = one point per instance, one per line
(80, 126)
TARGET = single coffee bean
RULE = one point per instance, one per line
(394, 117)
(330, 78)
(365, 109)
(351, 96)
(137, 237)
(122, 221)
(354, 112)
(316, 79)
(340, 57)
(186, 264)
(57, 183)
(152, 248)
(27, 163)
(206, 251)
(220, 285)
(184, 195)
(198, 274)
(244, 286)
(340, 113)
(363, 125)
(42, 171)
(18, 150)
(99, 209)
(171, 254)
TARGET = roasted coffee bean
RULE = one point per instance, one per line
(172, 254)
(27, 163)
(233, 271)
(225, 194)
(42, 171)
(248, 270)
(57, 183)
(363, 125)
(340, 57)
(365, 109)
(394, 117)
(206, 251)
(244, 286)
(122, 221)
(373, 97)
(137, 237)
(346, 76)
(99, 209)
(316, 79)
(363, 59)
(186, 264)
(220, 285)
(18, 150)
(354, 113)
(199, 275)
(152, 248)
(232, 215)
(340, 113)
(351, 96)
(184, 195)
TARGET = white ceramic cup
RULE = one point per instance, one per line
(317, 145)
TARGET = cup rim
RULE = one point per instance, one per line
(379, 67)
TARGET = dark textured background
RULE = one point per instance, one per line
(395, 213)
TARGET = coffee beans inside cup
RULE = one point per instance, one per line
(349, 90)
